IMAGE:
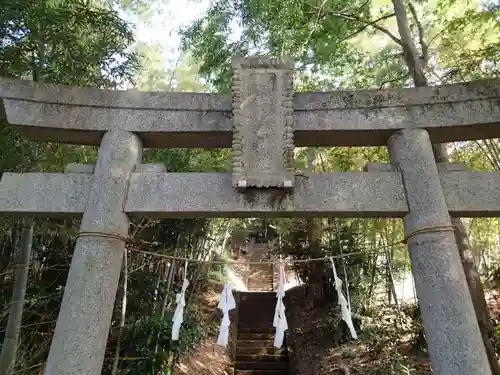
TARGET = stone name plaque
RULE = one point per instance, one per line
(263, 123)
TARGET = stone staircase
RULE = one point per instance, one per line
(255, 353)
(260, 278)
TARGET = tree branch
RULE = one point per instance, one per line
(367, 26)
(411, 55)
(367, 23)
(421, 35)
(400, 78)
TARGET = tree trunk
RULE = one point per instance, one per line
(392, 283)
(416, 64)
(122, 318)
(477, 294)
(315, 290)
(11, 340)
(373, 274)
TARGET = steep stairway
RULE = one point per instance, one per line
(261, 276)
(255, 352)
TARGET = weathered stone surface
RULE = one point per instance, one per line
(452, 331)
(468, 194)
(208, 195)
(204, 120)
(141, 168)
(79, 168)
(211, 195)
(263, 123)
(84, 320)
(445, 122)
(442, 167)
(151, 168)
(472, 194)
(44, 194)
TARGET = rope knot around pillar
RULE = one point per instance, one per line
(102, 235)
(429, 229)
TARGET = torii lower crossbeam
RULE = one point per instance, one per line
(341, 194)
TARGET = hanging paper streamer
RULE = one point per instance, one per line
(178, 317)
(279, 321)
(226, 303)
(344, 306)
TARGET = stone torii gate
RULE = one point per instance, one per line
(262, 123)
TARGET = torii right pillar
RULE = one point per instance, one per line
(451, 328)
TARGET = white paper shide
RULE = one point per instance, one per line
(344, 306)
(226, 304)
(178, 317)
(279, 321)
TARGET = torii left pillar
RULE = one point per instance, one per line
(84, 320)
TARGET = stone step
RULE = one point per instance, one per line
(252, 295)
(258, 307)
(263, 276)
(250, 309)
(257, 296)
(260, 350)
(255, 284)
(253, 301)
(261, 365)
(259, 320)
(256, 313)
(261, 358)
(256, 327)
(258, 303)
(261, 273)
(255, 343)
(269, 329)
(261, 372)
(261, 288)
(255, 336)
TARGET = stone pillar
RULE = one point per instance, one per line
(84, 320)
(451, 329)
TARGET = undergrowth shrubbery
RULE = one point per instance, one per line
(148, 348)
(385, 329)
(146, 344)
(394, 363)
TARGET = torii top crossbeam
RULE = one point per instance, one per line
(46, 112)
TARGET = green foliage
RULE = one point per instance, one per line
(294, 242)
(70, 37)
(142, 336)
(378, 338)
(347, 44)
(63, 42)
(315, 33)
(416, 328)
(385, 328)
(394, 364)
(469, 43)
(496, 339)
